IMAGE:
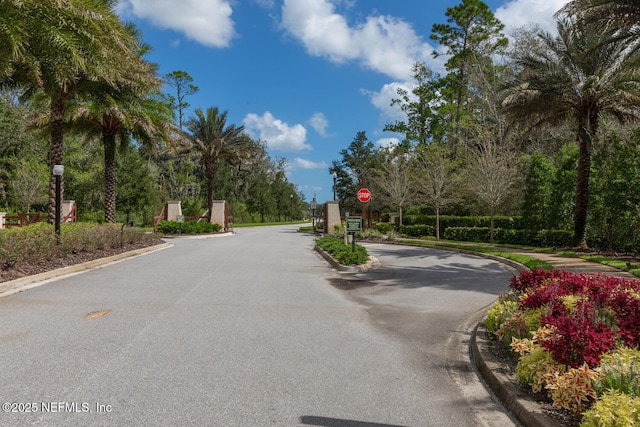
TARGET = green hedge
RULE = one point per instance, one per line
(541, 238)
(342, 252)
(418, 230)
(446, 221)
(187, 227)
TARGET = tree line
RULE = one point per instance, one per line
(537, 125)
(76, 90)
(544, 126)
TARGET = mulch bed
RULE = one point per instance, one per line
(27, 269)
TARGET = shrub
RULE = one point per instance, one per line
(31, 244)
(614, 409)
(419, 230)
(187, 227)
(573, 389)
(383, 227)
(620, 370)
(578, 337)
(342, 252)
(501, 311)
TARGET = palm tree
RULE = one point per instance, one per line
(63, 48)
(132, 110)
(118, 117)
(576, 77)
(624, 13)
(214, 141)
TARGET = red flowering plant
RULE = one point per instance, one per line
(578, 337)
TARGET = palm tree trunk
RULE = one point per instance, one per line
(109, 178)
(57, 152)
(585, 135)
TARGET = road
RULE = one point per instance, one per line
(253, 329)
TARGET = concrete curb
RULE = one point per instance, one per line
(18, 285)
(517, 402)
(369, 265)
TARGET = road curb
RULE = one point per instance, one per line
(519, 404)
(371, 262)
(28, 282)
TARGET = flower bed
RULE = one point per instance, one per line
(575, 337)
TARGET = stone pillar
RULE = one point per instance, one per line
(174, 209)
(218, 209)
(2, 215)
(68, 211)
(331, 216)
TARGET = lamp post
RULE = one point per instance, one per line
(58, 170)
(335, 176)
(291, 211)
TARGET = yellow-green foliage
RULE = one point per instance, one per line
(501, 311)
(620, 370)
(573, 389)
(530, 363)
(532, 318)
(614, 409)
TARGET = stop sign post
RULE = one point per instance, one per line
(364, 195)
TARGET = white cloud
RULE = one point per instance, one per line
(299, 163)
(206, 21)
(319, 123)
(382, 43)
(382, 100)
(278, 135)
(387, 142)
(521, 13)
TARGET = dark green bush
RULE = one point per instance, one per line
(342, 252)
(541, 238)
(418, 230)
(383, 227)
(187, 227)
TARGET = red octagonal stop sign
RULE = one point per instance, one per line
(364, 195)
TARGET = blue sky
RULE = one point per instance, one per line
(305, 76)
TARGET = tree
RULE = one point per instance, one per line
(417, 107)
(471, 31)
(490, 175)
(136, 185)
(214, 140)
(181, 82)
(395, 179)
(64, 48)
(354, 169)
(436, 182)
(132, 110)
(28, 183)
(623, 14)
(576, 77)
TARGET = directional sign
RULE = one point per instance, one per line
(354, 224)
(364, 195)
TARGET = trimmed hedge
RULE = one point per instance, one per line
(418, 230)
(446, 221)
(541, 238)
(187, 227)
(342, 252)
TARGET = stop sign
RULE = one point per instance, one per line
(364, 195)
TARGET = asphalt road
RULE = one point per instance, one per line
(253, 329)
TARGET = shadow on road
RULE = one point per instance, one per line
(337, 422)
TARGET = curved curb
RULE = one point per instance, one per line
(28, 282)
(371, 262)
(522, 406)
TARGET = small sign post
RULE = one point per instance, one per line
(180, 221)
(354, 224)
